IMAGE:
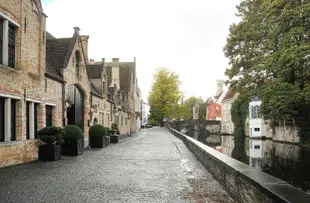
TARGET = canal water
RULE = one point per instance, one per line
(283, 160)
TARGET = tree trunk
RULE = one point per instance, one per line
(162, 122)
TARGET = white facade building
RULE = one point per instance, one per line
(138, 106)
(256, 121)
(226, 122)
(145, 111)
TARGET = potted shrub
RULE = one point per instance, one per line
(74, 141)
(107, 137)
(52, 138)
(114, 130)
(97, 136)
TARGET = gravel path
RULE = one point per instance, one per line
(151, 166)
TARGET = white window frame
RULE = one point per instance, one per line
(31, 117)
(5, 45)
(7, 116)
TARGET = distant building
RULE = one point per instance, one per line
(145, 111)
(256, 120)
(226, 123)
(138, 108)
(214, 106)
(196, 111)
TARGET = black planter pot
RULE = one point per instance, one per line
(98, 141)
(114, 138)
(49, 152)
(73, 147)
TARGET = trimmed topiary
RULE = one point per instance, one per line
(73, 132)
(112, 132)
(98, 136)
(52, 135)
(74, 141)
(115, 129)
(97, 130)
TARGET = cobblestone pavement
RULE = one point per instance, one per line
(151, 166)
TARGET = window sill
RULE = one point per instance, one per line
(10, 69)
(3, 144)
(33, 140)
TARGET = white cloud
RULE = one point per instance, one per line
(186, 36)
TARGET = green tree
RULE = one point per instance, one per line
(202, 111)
(269, 54)
(239, 112)
(187, 107)
(165, 94)
(270, 43)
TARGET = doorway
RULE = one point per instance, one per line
(75, 113)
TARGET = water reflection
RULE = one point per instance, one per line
(283, 160)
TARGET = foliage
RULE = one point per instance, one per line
(154, 122)
(164, 95)
(138, 114)
(280, 100)
(97, 130)
(114, 129)
(202, 111)
(155, 114)
(52, 135)
(268, 51)
(73, 132)
(188, 107)
(111, 132)
(239, 112)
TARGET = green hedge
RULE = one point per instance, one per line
(73, 132)
(97, 130)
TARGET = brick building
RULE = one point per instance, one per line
(23, 85)
(121, 78)
(47, 81)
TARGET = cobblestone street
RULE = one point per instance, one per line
(150, 166)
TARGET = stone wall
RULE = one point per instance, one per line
(282, 132)
(210, 126)
(245, 183)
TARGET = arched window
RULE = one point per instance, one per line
(77, 64)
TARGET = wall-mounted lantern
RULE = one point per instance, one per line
(68, 103)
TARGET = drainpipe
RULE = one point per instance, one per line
(63, 104)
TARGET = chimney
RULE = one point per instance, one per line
(115, 73)
(115, 62)
(76, 30)
(219, 86)
(103, 61)
(91, 61)
(84, 42)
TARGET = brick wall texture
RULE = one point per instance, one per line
(27, 81)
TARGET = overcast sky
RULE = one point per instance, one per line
(186, 36)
